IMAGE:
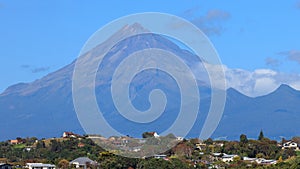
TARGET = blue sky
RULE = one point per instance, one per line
(258, 41)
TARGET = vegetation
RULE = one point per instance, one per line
(56, 150)
(261, 135)
(191, 153)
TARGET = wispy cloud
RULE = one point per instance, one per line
(35, 69)
(214, 15)
(25, 66)
(210, 23)
(191, 12)
(272, 62)
(292, 55)
(40, 69)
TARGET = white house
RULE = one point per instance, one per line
(136, 149)
(290, 145)
(200, 146)
(162, 156)
(82, 162)
(250, 159)
(155, 135)
(39, 166)
(70, 135)
(264, 161)
(179, 138)
(228, 158)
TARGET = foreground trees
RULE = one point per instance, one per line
(192, 153)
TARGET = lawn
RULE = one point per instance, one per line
(19, 146)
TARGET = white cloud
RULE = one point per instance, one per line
(264, 85)
(265, 72)
(260, 82)
(295, 85)
(252, 83)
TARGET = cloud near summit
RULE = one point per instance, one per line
(253, 83)
(260, 81)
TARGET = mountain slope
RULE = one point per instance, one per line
(44, 108)
(277, 114)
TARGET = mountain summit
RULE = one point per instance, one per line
(44, 108)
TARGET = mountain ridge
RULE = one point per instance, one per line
(45, 107)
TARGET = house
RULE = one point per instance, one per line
(162, 156)
(268, 162)
(28, 148)
(15, 141)
(83, 162)
(248, 159)
(5, 166)
(179, 138)
(125, 140)
(228, 158)
(290, 145)
(265, 162)
(216, 156)
(135, 149)
(39, 166)
(70, 135)
(200, 146)
(154, 134)
(95, 136)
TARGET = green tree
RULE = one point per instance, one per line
(261, 135)
(55, 146)
(243, 139)
(40, 144)
(288, 153)
(209, 141)
(63, 164)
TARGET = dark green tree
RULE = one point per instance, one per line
(147, 135)
(261, 135)
(209, 141)
(40, 144)
(243, 139)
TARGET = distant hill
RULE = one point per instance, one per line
(44, 108)
(277, 114)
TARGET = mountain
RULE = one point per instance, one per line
(44, 108)
(277, 114)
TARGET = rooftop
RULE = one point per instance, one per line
(83, 161)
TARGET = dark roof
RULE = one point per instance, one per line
(83, 161)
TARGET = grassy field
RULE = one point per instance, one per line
(19, 146)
